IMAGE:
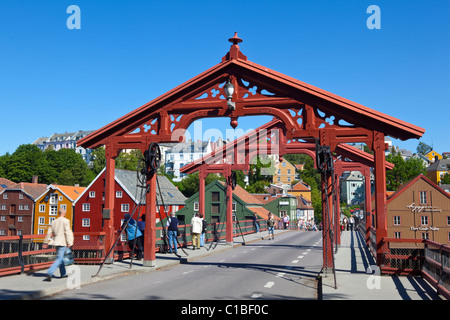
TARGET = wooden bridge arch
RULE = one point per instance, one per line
(307, 111)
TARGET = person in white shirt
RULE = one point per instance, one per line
(196, 230)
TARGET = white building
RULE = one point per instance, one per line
(183, 153)
(352, 187)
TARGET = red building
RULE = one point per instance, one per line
(89, 206)
(17, 208)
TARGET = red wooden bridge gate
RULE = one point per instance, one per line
(234, 88)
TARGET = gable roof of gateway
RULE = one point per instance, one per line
(237, 64)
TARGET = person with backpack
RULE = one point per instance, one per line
(202, 235)
(134, 236)
(172, 232)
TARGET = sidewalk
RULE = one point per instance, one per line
(354, 283)
(26, 287)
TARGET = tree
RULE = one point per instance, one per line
(423, 148)
(403, 171)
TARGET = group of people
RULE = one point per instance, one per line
(348, 224)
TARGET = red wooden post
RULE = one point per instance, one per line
(368, 204)
(337, 209)
(202, 176)
(326, 219)
(108, 220)
(229, 222)
(150, 224)
(380, 193)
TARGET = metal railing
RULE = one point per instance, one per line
(19, 254)
(429, 259)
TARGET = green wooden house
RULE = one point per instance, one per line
(283, 204)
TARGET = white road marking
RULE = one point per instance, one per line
(269, 284)
(256, 295)
(294, 261)
(281, 274)
(308, 250)
(300, 257)
(188, 272)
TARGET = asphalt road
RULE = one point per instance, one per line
(285, 268)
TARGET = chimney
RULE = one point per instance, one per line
(35, 179)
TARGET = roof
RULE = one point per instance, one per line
(439, 165)
(300, 186)
(71, 192)
(235, 63)
(33, 190)
(170, 194)
(244, 195)
(405, 186)
(263, 212)
(5, 183)
(303, 203)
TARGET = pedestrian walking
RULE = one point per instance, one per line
(196, 230)
(60, 236)
(203, 234)
(271, 226)
(134, 236)
(172, 232)
(352, 223)
(345, 222)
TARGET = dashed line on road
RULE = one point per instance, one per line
(280, 274)
(269, 284)
(295, 261)
(188, 272)
(256, 295)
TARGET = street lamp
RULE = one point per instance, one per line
(229, 90)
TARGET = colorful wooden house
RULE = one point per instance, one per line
(284, 173)
(127, 196)
(48, 204)
(301, 189)
(17, 207)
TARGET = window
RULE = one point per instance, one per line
(3, 207)
(51, 219)
(20, 218)
(2, 232)
(91, 194)
(289, 179)
(21, 207)
(289, 171)
(20, 195)
(448, 220)
(86, 207)
(215, 208)
(196, 206)
(215, 196)
(424, 220)
(423, 197)
(125, 207)
(425, 236)
(42, 208)
(118, 194)
(397, 220)
(53, 198)
(234, 206)
(53, 210)
(41, 220)
(279, 179)
(26, 207)
(2, 218)
(5, 196)
(86, 237)
(397, 235)
(63, 206)
(279, 171)
(86, 223)
(283, 164)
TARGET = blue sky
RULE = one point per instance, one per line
(53, 79)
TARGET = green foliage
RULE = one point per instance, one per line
(403, 171)
(423, 148)
(64, 166)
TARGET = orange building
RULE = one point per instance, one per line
(301, 189)
(48, 204)
(284, 173)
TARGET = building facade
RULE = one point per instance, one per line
(67, 140)
(47, 205)
(419, 210)
(17, 208)
(437, 170)
(127, 196)
(284, 172)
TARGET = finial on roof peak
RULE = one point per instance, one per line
(235, 39)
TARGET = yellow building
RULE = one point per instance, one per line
(284, 173)
(301, 189)
(48, 204)
(437, 170)
(432, 156)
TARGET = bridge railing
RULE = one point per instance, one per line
(19, 254)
